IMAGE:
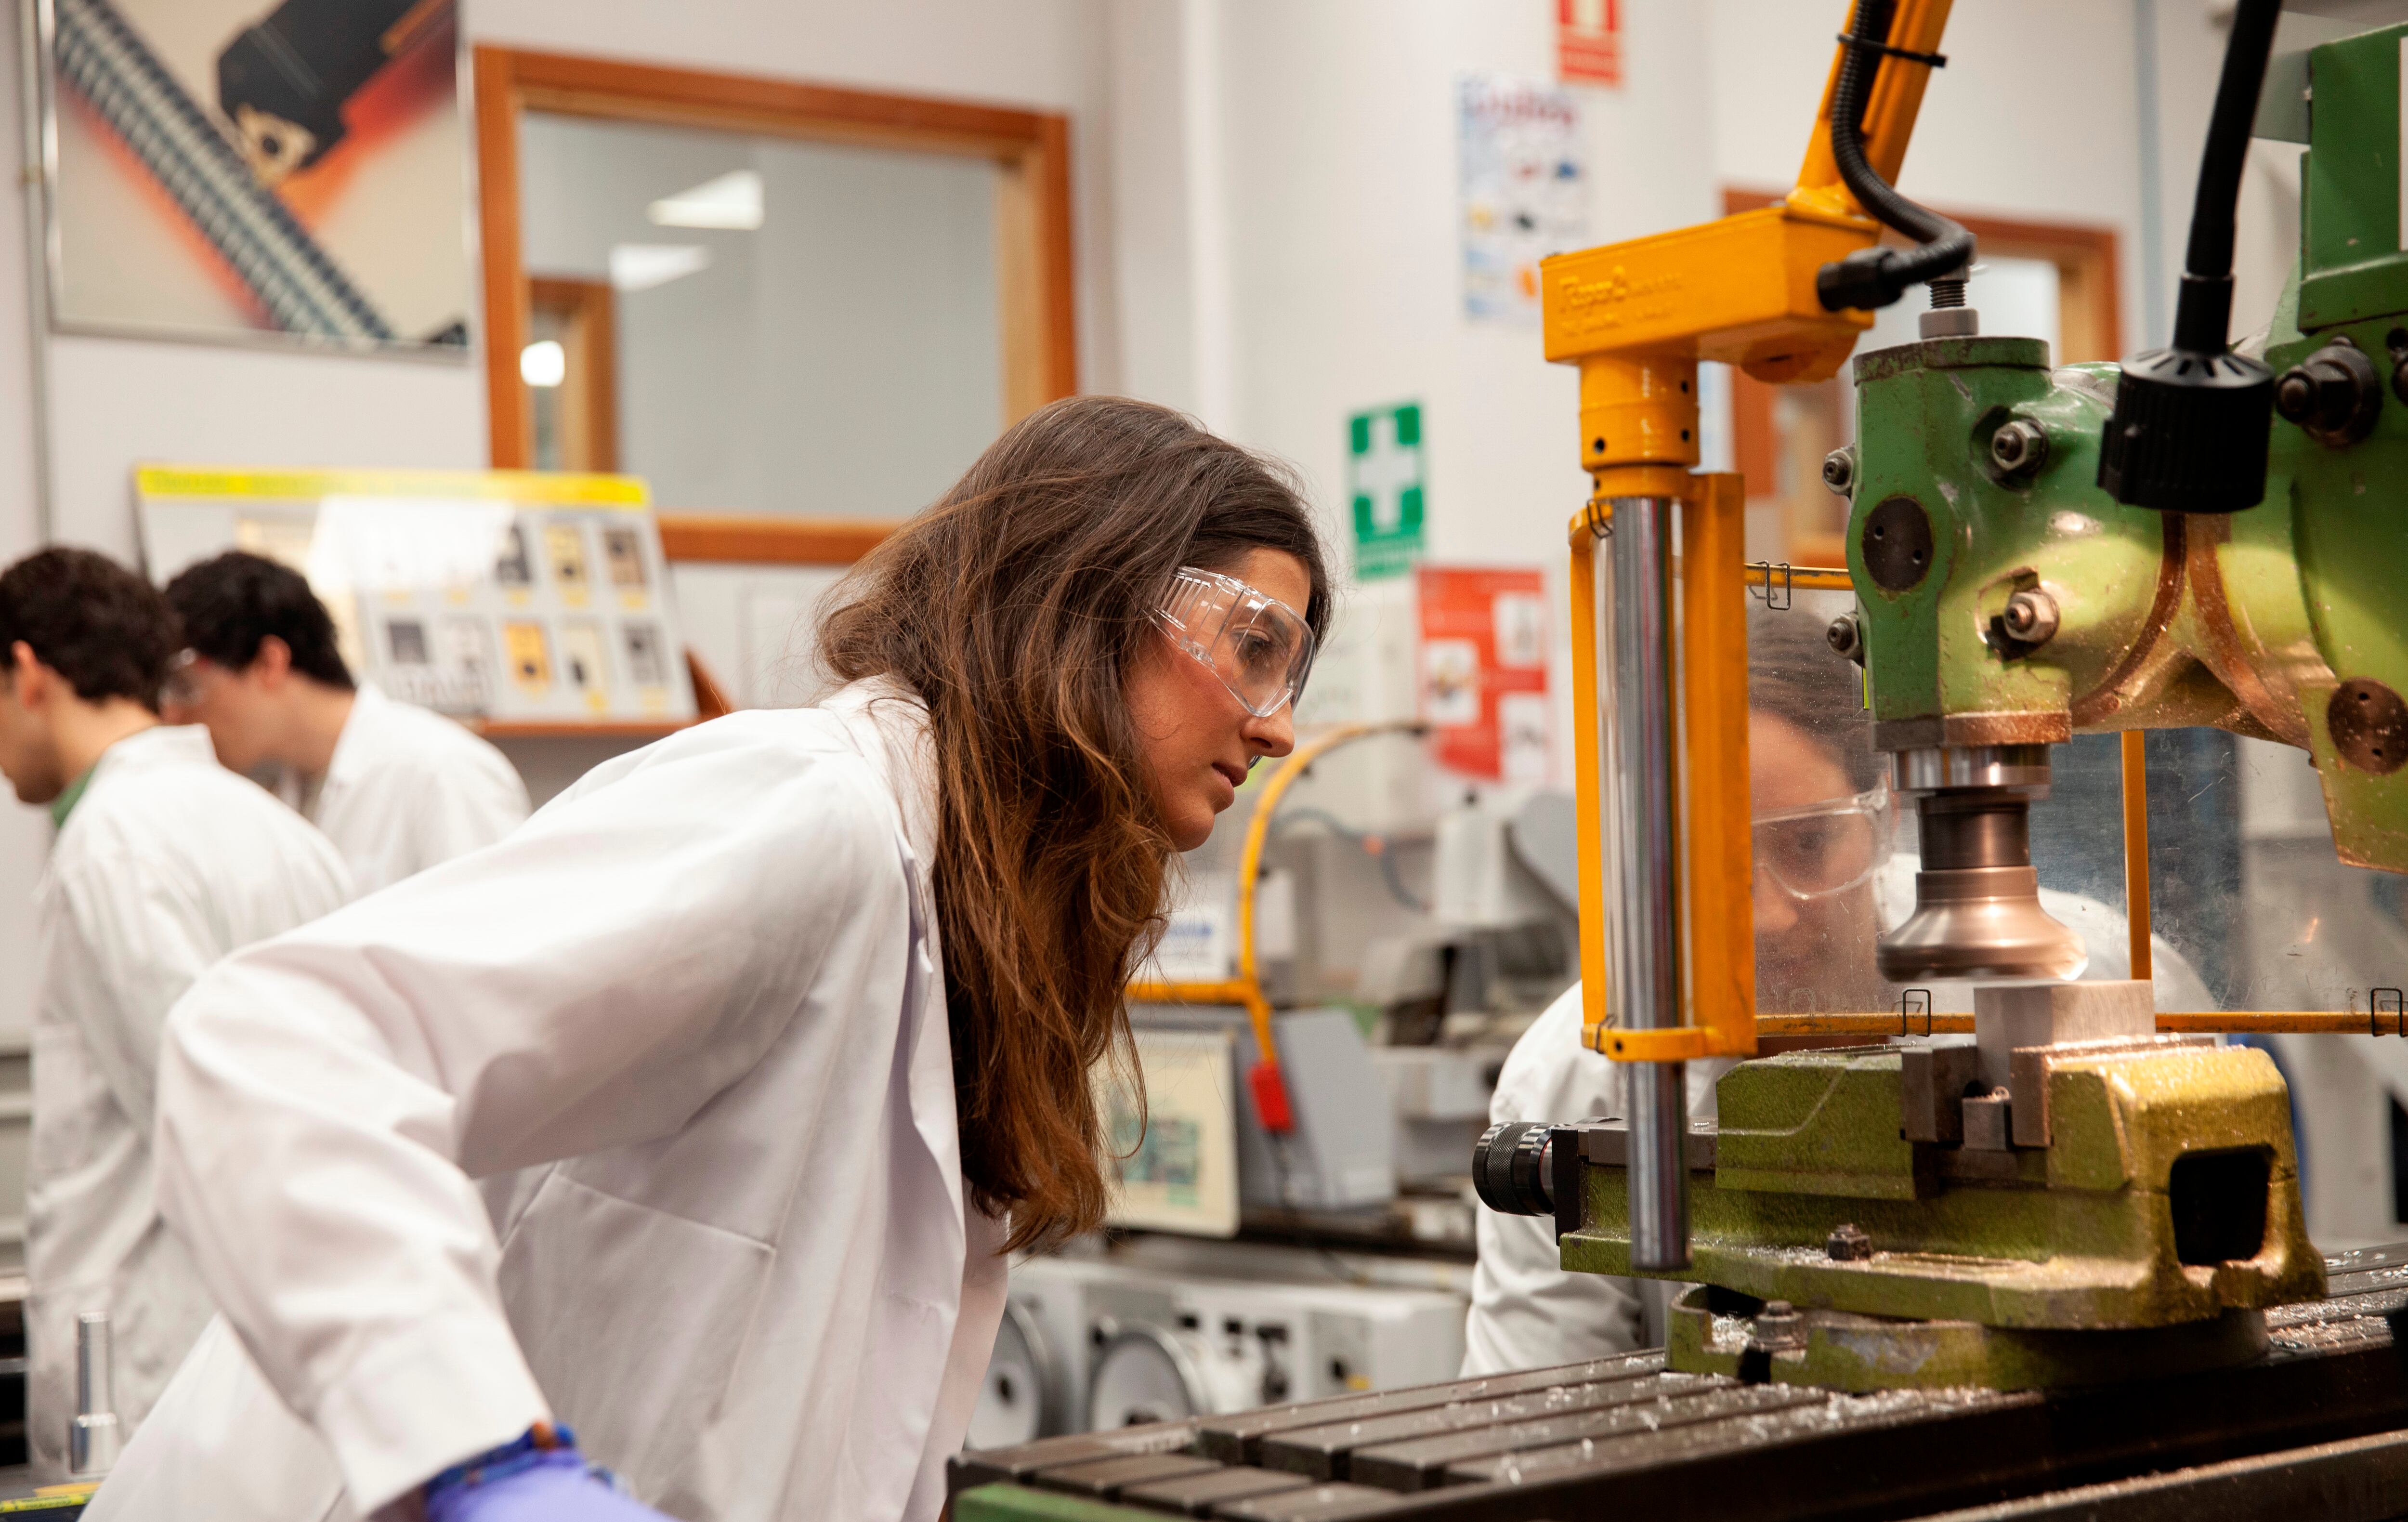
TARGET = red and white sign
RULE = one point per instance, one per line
(1588, 41)
(1484, 671)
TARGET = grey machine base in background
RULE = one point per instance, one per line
(1098, 1340)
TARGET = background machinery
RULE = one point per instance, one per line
(2086, 1215)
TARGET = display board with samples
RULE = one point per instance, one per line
(515, 597)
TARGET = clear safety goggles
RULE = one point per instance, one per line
(1824, 849)
(1258, 646)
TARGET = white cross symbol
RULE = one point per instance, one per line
(1384, 471)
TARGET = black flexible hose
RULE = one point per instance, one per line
(2190, 430)
(2203, 315)
(1876, 277)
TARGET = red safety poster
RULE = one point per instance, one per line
(1588, 41)
(1484, 671)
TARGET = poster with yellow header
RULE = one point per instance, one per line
(504, 595)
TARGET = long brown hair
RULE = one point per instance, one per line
(1016, 607)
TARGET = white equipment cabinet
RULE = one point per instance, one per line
(1094, 1342)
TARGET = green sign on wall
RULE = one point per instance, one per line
(1383, 476)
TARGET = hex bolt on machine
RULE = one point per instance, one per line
(1934, 1273)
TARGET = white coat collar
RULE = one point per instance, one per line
(890, 724)
(164, 744)
(356, 744)
(161, 745)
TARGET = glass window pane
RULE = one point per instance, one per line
(801, 327)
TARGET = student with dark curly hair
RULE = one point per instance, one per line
(165, 862)
(395, 787)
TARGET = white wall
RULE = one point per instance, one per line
(1264, 200)
(1336, 219)
(1029, 54)
(2034, 118)
(1335, 211)
(115, 403)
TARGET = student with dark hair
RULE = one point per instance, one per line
(696, 1117)
(165, 862)
(395, 787)
(1831, 875)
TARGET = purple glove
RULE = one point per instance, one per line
(521, 1484)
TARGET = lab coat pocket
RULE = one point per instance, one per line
(631, 1319)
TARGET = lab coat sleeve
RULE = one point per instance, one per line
(466, 810)
(1527, 1313)
(131, 941)
(328, 1098)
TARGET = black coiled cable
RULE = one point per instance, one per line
(1876, 277)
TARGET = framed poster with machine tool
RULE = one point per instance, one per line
(249, 170)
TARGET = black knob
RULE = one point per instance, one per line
(1509, 1169)
(2188, 433)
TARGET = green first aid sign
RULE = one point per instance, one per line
(1383, 476)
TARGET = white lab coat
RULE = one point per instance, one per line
(407, 788)
(1527, 1313)
(688, 1026)
(168, 861)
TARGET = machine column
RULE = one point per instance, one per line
(1643, 977)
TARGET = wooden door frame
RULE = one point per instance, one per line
(591, 383)
(1033, 245)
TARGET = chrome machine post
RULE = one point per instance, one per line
(1643, 979)
(93, 1435)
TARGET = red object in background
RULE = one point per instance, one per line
(1484, 671)
(1588, 41)
(1270, 1098)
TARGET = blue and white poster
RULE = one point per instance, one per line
(1525, 190)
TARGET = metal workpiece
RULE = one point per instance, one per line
(2309, 1424)
(1643, 972)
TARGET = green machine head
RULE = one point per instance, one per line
(2197, 537)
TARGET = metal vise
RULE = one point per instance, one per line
(2066, 1196)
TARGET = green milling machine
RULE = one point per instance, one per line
(2201, 536)
(2069, 1250)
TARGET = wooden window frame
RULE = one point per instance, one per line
(761, 539)
(1032, 244)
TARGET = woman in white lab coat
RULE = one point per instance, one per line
(695, 1115)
